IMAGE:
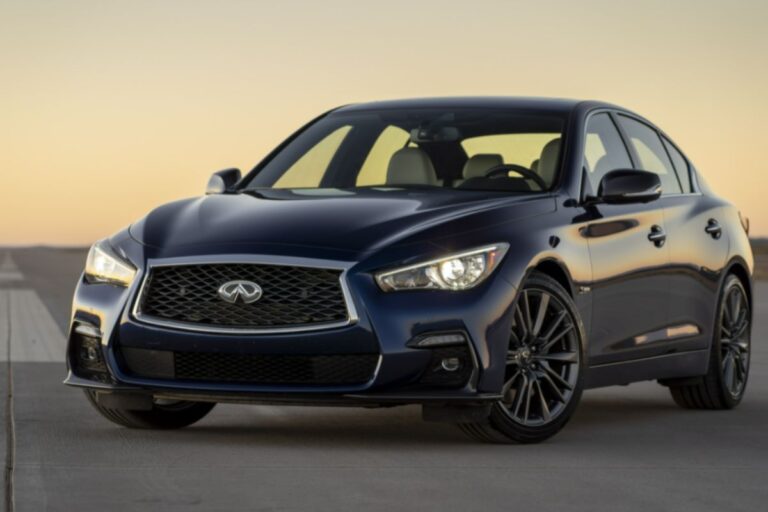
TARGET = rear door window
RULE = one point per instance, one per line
(650, 150)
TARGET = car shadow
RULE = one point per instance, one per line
(289, 426)
(402, 427)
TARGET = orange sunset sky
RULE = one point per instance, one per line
(108, 109)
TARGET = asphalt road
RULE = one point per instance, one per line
(628, 448)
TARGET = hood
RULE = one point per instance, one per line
(341, 221)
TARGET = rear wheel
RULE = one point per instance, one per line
(544, 367)
(726, 380)
(164, 414)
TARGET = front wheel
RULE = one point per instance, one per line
(163, 415)
(544, 367)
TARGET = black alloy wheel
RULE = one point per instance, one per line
(544, 367)
(724, 384)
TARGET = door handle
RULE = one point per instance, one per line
(714, 229)
(657, 236)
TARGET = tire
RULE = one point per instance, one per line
(724, 384)
(545, 368)
(161, 416)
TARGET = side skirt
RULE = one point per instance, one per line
(668, 366)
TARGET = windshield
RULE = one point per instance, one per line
(463, 149)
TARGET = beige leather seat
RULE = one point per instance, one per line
(411, 166)
(550, 155)
(478, 165)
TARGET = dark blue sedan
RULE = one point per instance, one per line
(486, 258)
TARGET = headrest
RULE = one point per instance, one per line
(548, 161)
(479, 164)
(411, 166)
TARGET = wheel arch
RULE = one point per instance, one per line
(557, 270)
(739, 268)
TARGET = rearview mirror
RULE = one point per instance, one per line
(222, 181)
(625, 186)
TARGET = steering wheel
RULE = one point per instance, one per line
(503, 169)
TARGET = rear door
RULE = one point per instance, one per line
(694, 254)
(630, 291)
(698, 247)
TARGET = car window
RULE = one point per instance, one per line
(374, 168)
(604, 151)
(681, 166)
(429, 149)
(516, 148)
(308, 170)
(650, 150)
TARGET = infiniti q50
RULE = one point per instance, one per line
(486, 258)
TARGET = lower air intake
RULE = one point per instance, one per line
(301, 370)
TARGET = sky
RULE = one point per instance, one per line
(108, 109)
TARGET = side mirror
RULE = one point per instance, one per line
(222, 181)
(625, 186)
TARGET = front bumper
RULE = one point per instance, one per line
(383, 324)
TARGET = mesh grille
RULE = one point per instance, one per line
(347, 369)
(291, 296)
(264, 369)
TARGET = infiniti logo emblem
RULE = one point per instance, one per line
(246, 292)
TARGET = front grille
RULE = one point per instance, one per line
(327, 370)
(291, 296)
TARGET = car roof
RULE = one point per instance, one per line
(550, 105)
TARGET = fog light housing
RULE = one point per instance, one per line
(451, 364)
(451, 361)
(86, 356)
(89, 353)
(449, 367)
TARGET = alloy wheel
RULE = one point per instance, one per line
(734, 341)
(543, 359)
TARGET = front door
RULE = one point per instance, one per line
(630, 288)
(629, 255)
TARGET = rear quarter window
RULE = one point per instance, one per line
(681, 166)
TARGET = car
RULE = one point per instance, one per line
(488, 259)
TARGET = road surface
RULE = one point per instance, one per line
(628, 448)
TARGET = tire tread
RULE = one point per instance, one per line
(152, 419)
(708, 393)
(495, 429)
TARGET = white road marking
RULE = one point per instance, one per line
(34, 335)
(8, 269)
(4, 324)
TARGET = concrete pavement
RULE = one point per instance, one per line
(627, 448)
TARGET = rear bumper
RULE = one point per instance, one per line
(384, 326)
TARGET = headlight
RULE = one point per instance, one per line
(104, 266)
(454, 272)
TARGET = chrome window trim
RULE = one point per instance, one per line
(247, 259)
